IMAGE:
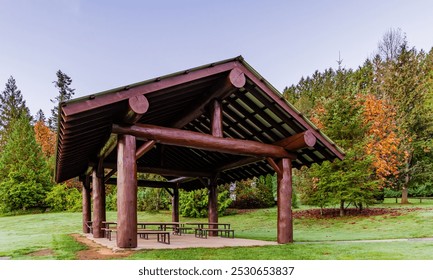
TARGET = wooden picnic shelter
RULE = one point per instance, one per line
(199, 128)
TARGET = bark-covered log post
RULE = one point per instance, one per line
(126, 192)
(284, 200)
(87, 209)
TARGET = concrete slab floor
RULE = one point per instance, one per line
(183, 241)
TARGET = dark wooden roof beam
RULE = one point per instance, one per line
(163, 171)
(277, 99)
(144, 148)
(108, 147)
(269, 119)
(298, 141)
(174, 172)
(238, 163)
(191, 139)
(98, 101)
(233, 82)
(137, 106)
(146, 183)
(109, 174)
(250, 128)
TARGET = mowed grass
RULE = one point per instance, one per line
(22, 235)
(398, 250)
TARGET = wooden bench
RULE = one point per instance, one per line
(162, 236)
(203, 232)
(108, 231)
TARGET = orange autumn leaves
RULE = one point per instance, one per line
(45, 138)
(384, 137)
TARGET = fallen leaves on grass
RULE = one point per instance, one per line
(368, 212)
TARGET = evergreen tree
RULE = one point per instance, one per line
(40, 116)
(404, 82)
(12, 107)
(24, 174)
(334, 105)
(63, 84)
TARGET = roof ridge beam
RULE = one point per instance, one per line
(305, 139)
(137, 106)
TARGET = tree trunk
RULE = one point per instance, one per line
(404, 191)
(404, 199)
(342, 210)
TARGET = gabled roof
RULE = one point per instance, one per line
(256, 112)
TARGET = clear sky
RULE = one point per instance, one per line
(106, 44)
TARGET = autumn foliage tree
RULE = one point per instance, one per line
(45, 137)
(384, 141)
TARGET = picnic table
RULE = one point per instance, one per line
(107, 230)
(202, 232)
(161, 225)
(107, 224)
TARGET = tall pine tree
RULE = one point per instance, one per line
(12, 107)
(24, 174)
(63, 84)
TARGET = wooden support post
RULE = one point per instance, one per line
(98, 204)
(213, 205)
(87, 209)
(284, 199)
(103, 197)
(175, 205)
(217, 119)
(126, 192)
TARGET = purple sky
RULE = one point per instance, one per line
(106, 44)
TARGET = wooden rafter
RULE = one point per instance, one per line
(297, 116)
(233, 82)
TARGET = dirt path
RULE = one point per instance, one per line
(95, 251)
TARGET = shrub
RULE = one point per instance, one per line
(195, 203)
(251, 194)
(111, 198)
(152, 199)
(62, 198)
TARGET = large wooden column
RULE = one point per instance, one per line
(98, 203)
(213, 205)
(175, 205)
(217, 131)
(284, 197)
(87, 211)
(126, 192)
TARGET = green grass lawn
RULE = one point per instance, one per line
(21, 235)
